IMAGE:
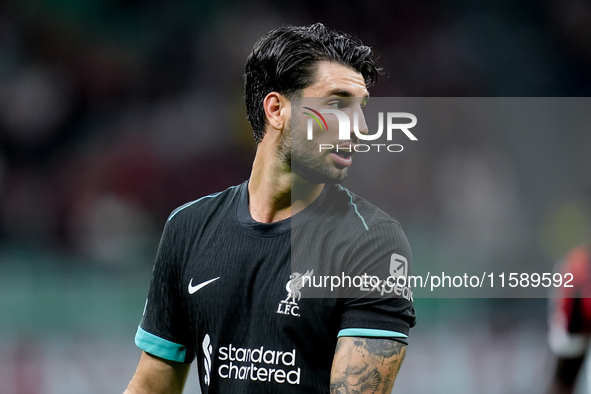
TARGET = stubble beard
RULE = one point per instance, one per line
(303, 158)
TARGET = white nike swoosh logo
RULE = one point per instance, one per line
(193, 289)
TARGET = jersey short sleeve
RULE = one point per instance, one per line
(164, 330)
(379, 309)
(570, 309)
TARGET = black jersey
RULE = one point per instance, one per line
(250, 301)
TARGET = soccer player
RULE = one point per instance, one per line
(231, 285)
(569, 334)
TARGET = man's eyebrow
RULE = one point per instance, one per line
(344, 93)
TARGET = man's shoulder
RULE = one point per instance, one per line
(208, 203)
(359, 209)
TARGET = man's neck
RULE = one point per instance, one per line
(275, 193)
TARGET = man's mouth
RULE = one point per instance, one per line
(341, 154)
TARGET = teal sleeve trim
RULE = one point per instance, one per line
(189, 204)
(370, 332)
(196, 201)
(355, 207)
(160, 347)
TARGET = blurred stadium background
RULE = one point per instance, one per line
(114, 112)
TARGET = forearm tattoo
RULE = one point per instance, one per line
(366, 365)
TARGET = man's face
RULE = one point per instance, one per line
(338, 87)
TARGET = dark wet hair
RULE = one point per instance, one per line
(285, 59)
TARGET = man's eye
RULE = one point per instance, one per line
(337, 104)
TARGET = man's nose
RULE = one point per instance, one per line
(359, 125)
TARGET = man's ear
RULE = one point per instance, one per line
(276, 107)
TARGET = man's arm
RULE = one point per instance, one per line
(365, 365)
(155, 375)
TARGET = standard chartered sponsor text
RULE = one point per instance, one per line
(258, 364)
